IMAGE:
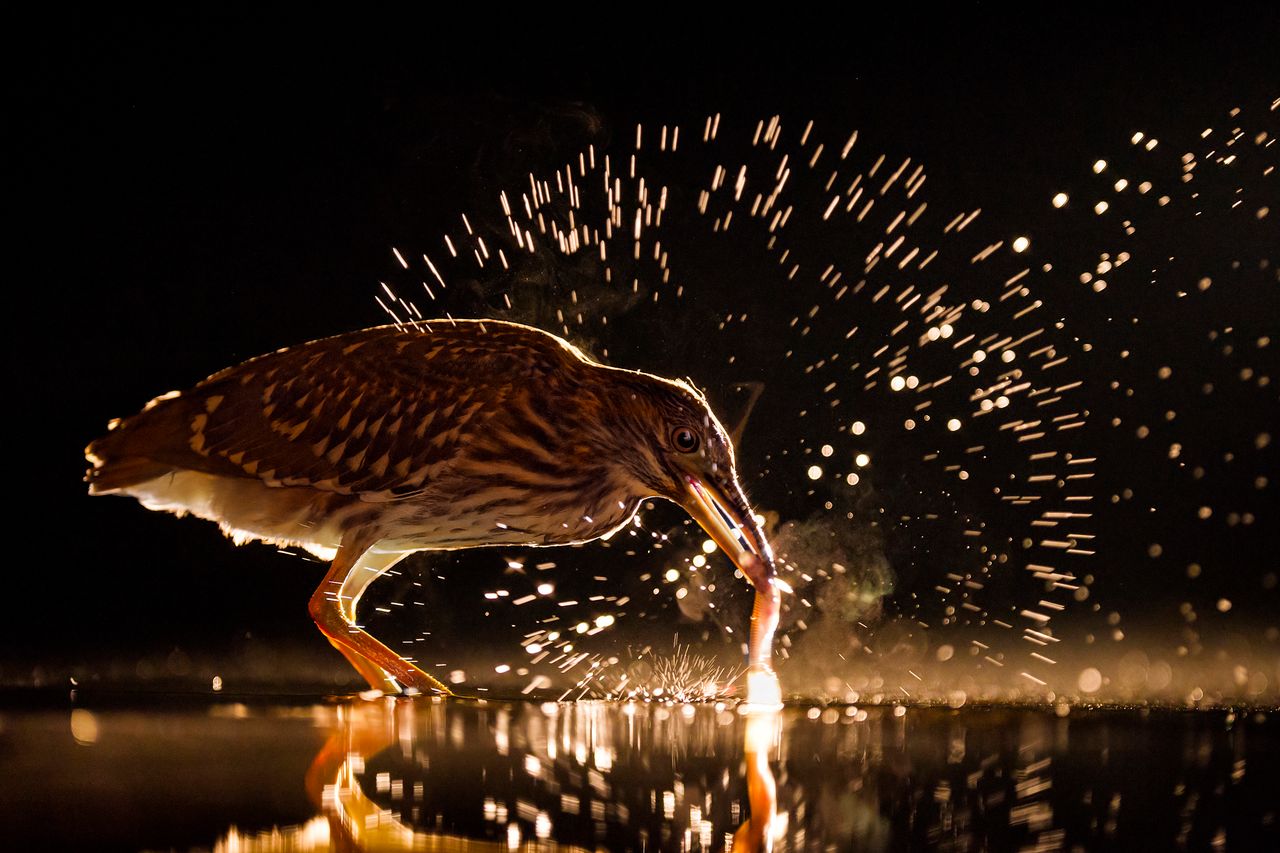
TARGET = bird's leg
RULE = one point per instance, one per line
(333, 607)
(376, 676)
(368, 568)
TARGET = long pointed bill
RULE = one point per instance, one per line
(724, 514)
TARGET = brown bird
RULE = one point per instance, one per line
(371, 445)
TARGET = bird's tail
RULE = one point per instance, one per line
(127, 455)
(108, 476)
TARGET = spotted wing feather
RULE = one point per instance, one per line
(373, 413)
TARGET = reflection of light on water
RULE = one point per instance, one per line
(642, 776)
(406, 775)
(540, 753)
(311, 836)
(764, 826)
(84, 727)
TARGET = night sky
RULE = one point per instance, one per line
(190, 193)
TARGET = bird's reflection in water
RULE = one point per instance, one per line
(415, 774)
(452, 775)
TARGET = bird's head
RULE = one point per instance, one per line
(676, 448)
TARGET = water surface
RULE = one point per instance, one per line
(162, 773)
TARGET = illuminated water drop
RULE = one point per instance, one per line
(84, 727)
(1090, 680)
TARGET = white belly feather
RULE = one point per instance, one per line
(246, 509)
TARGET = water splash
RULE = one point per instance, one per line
(943, 389)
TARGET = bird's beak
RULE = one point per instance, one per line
(722, 510)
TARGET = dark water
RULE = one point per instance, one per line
(160, 774)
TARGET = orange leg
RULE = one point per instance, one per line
(375, 675)
(333, 607)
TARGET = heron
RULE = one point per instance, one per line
(371, 445)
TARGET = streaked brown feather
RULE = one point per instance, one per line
(367, 412)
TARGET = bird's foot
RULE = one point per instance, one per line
(394, 689)
(416, 682)
(436, 689)
(409, 684)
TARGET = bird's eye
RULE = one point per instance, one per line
(684, 439)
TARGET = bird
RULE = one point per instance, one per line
(370, 445)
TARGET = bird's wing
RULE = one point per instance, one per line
(373, 413)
